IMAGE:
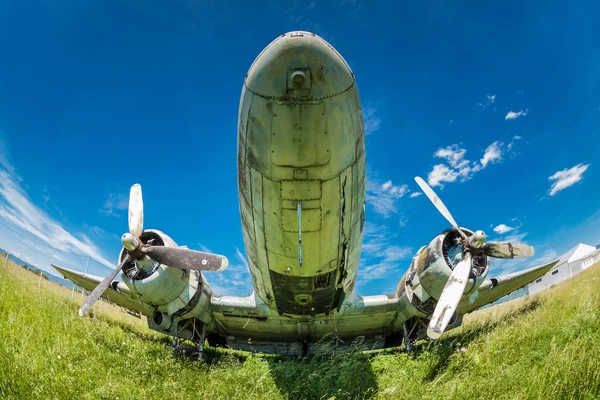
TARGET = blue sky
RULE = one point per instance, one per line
(496, 105)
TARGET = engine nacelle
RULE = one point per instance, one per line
(432, 266)
(174, 293)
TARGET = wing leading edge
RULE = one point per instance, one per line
(117, 292)
(496, 288)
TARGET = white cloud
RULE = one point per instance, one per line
(381, 257)
(458, 167)
(515, 114)
(18, 210)
(490, 98)
(383, 198)
(441, 174)
(114, 202)
(492, 154)
(454, 155)
(415, 194)
(502, 229)
(370, 120)
(566, 178)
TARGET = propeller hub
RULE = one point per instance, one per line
(129, 242)
(477, 239)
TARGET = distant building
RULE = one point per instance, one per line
(571, 263)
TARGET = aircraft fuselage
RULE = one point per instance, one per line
(301, 175)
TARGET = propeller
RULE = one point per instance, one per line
(455, 286)
(450, 297)
(437, 202)
(507, 250)
(177, 257)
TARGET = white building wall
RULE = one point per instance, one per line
(554, 276)
(571, 263)
(581, 251)
(590, 260)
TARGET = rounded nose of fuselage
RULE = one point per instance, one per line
(299, 65)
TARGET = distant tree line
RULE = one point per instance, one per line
(25, 266)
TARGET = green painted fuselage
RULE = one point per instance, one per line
(301, 175)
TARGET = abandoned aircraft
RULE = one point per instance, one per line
(301, 184)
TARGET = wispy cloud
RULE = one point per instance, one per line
(383, 197)
(515, 237)
(18, 210)
(415, 194)
(502, 229)
(505, 266)
(457, 167)
(235, 280)
(101, 233)
(490, 98)
(512, 142)
(204, 248)
(115, 202)
(310, 6)
(515, 114)
(5, 157)
(371, 120)
(566, 178)
(381, 257)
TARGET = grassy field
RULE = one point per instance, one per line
(543, 347)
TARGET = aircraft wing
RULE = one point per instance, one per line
(495, 288)
(117, 292)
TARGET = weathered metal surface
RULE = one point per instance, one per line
(451, 295)
(136, 210)
(301, 129)
(301, 183)
(243, 318)
(182, 258)
(507, 250)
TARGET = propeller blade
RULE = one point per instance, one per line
(453, 292)
(507, 250)
(97, 292)
(437, 202)
(183, 258)
(136, 210)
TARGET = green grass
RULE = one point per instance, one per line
(546, 346)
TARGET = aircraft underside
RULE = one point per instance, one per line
(301, 184)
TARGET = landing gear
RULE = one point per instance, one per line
(411, 333)
(201, 355)
(194, 351)
(409, 342)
